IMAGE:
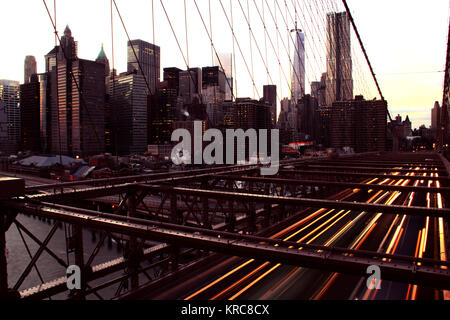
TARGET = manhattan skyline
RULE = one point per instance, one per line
(409, 74)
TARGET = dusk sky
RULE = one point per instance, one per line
(405, 39)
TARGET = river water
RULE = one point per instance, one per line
(18, 258)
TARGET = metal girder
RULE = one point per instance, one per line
(40, 244)
(36, 256)
(109, 182)
(332, 259)
(377, 164)
(102, 191)
(88, 193)
(362, 186)
(96, 272)
(393, 161)
(156, 285)
(362, 175)
(336, 260)
(304, 202)
(74, 215)
(370, 169)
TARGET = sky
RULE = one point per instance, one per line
(406, 41)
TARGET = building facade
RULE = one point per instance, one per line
(45, 114)
(318, 90)
(225, 61)
(29, 68)
(163, 108)
(88, 108)
(190, 85)
(78, 94)
(298, 72)
(359, 124)
(148, 62)
(308, 120)
(251, 114)
(270, 98)
(213, 91)
(30, 94)
(129, 113)
(9, 116)
(436, 119)
(339, 83)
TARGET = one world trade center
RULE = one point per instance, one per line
(298, 72)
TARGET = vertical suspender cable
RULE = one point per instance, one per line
(211, 32)
(251, 44)
(265, 38)
(235, 90)
(154, 38)
(56, 84)
(187, 36)
(278, 49)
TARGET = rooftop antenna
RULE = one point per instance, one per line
(295, 10)
(296, 29)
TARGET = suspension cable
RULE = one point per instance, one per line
(365, 53)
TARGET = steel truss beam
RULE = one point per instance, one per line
(377, 164)
(368, 169)
(95, 272)
(362, 186)
(361, 175)
(395, 268)
(110, 182)
(304, 202)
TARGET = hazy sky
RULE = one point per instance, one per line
(405, 39)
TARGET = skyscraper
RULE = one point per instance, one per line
(287, 121)
(359, 124)
(30, 68)
(88, 108)
(79, 88)
(339, 86)
(225, 61)
(45, 105)
(443, 137)
(68, 50)
(213, 89)
(308, 120)
(436, 119)
(149, 61)
(270, 97)
(129, 113)
(58, 62)
(109, 139)
(163, 109)
(101, 58)
(172, 76)
(298, 72)
(318, 89)
(9, 116)
(251, 114)
(190, 85)
(30, 115)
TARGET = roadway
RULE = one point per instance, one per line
(422, 237)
